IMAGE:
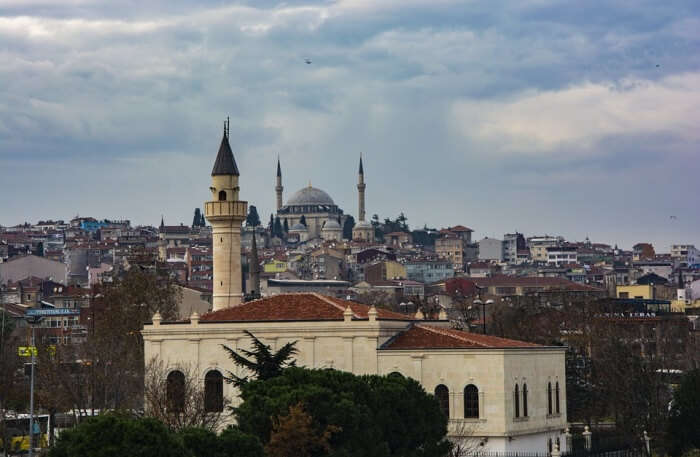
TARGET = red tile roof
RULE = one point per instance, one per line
(460, 228)
(422, 336)
(297, 307)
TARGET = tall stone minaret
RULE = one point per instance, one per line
(361, 192)
(278, 187)
(225, 212)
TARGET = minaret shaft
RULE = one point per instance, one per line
(278, 187)
(361, 193)
(225, 212)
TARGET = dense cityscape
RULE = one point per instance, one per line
(101, 295)
(426, 229)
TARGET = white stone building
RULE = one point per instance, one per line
(496, 390)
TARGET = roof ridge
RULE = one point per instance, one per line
(332, 303)
(441, 331)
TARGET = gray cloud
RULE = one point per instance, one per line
(537, 116)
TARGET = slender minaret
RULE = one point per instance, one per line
(278, 187)
(254, 268)
(225, 212)
(361, 192)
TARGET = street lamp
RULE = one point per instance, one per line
(33, 321)
(478, 302)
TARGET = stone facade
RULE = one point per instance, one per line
(338, 334)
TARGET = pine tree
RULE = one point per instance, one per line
(286, 226)
(302, 221)
(197, 219)
(261, 361)
(348, 226)
(277, 229)
(252, 220)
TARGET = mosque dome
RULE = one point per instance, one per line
(310, 196)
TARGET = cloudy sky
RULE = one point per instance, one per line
(572, 118)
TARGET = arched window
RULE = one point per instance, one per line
(516, 399)
(549, 398)
(214, 392)
(524, 400)
(176, 391)
(556, 390)
(222, 195)
(471, 401)
(442, 393)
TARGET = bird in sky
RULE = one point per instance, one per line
(307, 61)
(673, 217)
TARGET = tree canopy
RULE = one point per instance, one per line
(261, 361)
(348, 226)
(683, 430)
(368, 415)
(277, 228)
(252, 219)
(115, 436)
(230, 443)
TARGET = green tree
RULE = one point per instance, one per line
(235, 443)
(115, 436)
(277, 228)
(197, 219)
(376, 415)
(683, 430)
(302, 220)
(252, 219)
(230, 443)
(348, 226)
(261, 361)
(286, 226)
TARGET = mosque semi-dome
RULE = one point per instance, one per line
(299, 228)
(331, 224)
(310, 196)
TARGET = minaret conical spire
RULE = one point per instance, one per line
(225, 164)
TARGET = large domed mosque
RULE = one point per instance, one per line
(324, 219)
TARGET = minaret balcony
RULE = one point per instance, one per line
(222, 209)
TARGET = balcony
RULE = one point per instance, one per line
(222, 209)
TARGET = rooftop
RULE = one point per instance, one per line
(297, 307)
(422, 336)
